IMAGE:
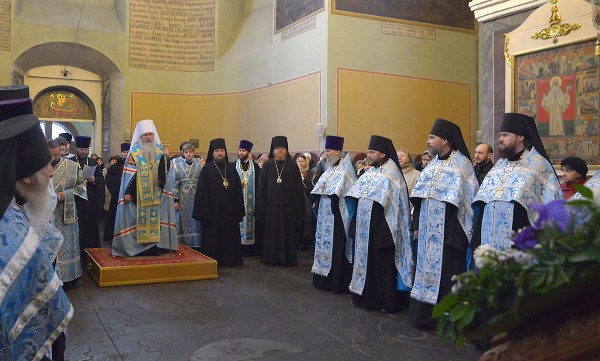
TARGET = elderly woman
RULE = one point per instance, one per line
(574, 173)
(411, 175)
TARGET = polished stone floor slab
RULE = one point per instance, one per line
(251, 312)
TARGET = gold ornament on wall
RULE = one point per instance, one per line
(506, 54)
(556, 28)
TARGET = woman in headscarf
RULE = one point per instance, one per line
(574, 173)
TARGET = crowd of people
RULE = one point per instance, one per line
(390, 232)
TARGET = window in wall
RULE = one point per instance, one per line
(56, 129)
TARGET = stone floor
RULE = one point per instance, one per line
(252, 312)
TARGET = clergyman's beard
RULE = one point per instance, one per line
(244, 158)
(148, 150)
(375, 163)
(219, 161)
(331, 161)
(40, 205)
(432, 152)
(507, 152)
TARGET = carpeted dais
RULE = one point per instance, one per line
(183, 265)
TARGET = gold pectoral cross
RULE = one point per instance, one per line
(499, 191)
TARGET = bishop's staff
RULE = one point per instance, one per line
(164, 144)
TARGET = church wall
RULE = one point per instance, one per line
(251, 60)
(400, 107)
(270, 81)
(258, 114)
(255, 60)
(5, 67)
(406, 82)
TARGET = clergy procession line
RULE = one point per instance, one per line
(389, 235)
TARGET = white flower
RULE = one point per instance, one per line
(482, 249)
(519, 257)
(484, 255)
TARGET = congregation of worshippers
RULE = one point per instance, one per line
(388, 226)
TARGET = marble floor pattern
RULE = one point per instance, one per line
(251, 312)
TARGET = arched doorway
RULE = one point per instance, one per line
(107, 130)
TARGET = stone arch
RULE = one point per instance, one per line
(91, 60)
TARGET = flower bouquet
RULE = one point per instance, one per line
(553, 262)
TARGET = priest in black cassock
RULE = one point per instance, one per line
(89, 236)
(249, 173)
(113, 183)
(381, 231)
(280, 205)
(332, 265)
(442, 219)
(522, 176)
(219, 206)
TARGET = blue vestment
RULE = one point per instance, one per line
(153, 219)
(68, 179)
(335, 181)
(530, 179)
(248, 179)
(185, 179)
(385, 186)
(449, 181)
(34, 309)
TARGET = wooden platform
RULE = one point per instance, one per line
(183, 265)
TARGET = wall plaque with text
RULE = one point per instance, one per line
(4, 24)
(407, 30)
(176, 35)
(299, 28)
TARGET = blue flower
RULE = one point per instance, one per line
(554, 212)
(525, 239)
(560, 214)
(557, 213)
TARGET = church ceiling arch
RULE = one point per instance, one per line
(57, 53)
